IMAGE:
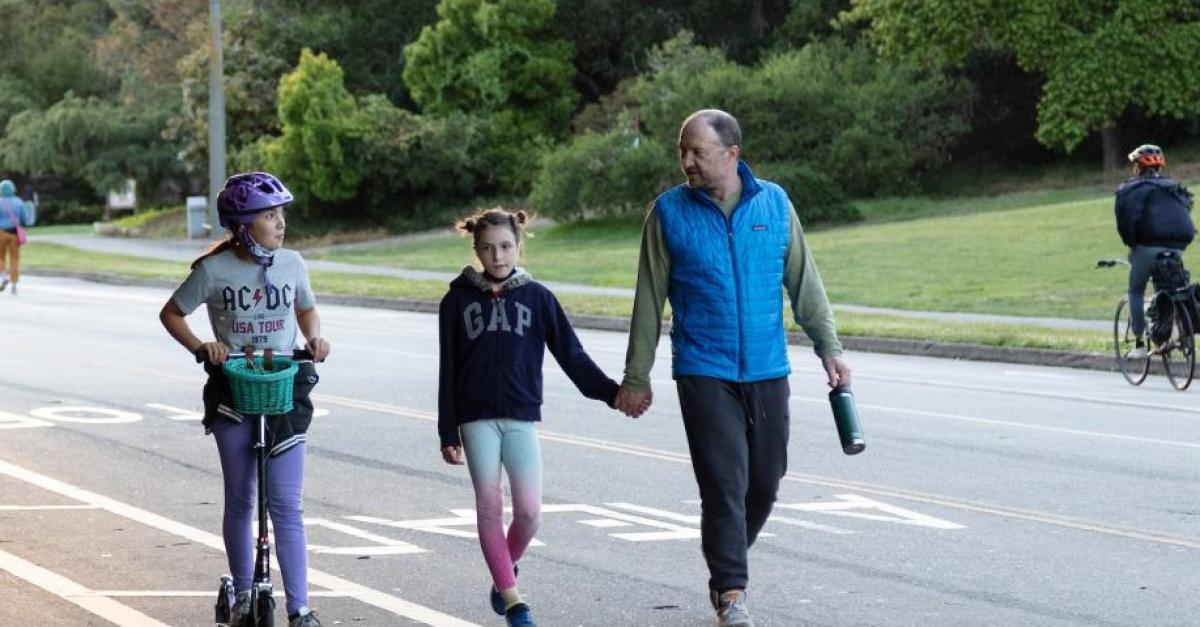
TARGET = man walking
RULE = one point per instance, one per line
(720, 247)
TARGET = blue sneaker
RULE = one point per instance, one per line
(519, 616)
(496, 599)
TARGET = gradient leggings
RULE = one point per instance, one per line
(512, 445)
(285, 481)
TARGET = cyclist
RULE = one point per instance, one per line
(1153, 216)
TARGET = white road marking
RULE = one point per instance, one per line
(809, 525)
(381, 600)
(193, 593)
(827, 482)
(385, 546)
(440, 526)
(15, 421)
(34, 508)
(75, 593)
(90, 415)
(177, 413)
(855, 506)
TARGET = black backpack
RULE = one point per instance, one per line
(1168, 272)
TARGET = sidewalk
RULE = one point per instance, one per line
(186, 250)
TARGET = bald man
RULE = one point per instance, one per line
(720, 247)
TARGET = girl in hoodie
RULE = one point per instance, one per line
(495, 326)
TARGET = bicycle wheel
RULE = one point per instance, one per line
(1179, 354)
(1134, 369)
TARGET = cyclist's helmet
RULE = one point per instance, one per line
(1148, 156)
(246, 195)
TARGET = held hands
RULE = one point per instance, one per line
(318, 348)
(837, 370)
(633, 403)
(214, 352)
(453, 455)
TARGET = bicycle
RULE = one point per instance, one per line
(1174, 342)
(262, 385)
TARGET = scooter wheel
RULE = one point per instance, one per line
(264, 610)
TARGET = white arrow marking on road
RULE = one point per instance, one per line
(91, 415)
(15, 421)
(387, 546)
(818, 480)
(68, 590)
(370, 596)
(855, 506)
(440, 526)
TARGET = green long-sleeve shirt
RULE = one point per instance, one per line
(803, 283)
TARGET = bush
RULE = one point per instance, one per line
(870, 126)
(602, 173)
(817, 198)
(315, 113)
(68, 212)
(408, 160)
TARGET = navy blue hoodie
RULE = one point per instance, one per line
(493, 341)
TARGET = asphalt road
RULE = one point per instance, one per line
(988, 494)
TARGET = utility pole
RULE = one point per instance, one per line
(216, 116)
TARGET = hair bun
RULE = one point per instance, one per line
(468, 225)
(522, 217)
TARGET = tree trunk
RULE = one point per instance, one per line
(1111, 139)
(758, 20)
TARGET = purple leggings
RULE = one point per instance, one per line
(285, 481)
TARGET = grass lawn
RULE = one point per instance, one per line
(61, 229)
(999, 255)
(53, 256)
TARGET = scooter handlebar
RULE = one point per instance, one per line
(300, 354)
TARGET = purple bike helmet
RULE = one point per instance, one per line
(246, 195)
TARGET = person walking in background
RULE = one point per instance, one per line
(722, 247)
(495, 326)
(1153, 217)
(15, 215)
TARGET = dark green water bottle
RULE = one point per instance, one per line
(841, 399)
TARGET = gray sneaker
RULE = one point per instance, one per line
(239, 615)
(304, 618)
(731, 610)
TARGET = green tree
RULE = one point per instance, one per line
(494, 58)
(316, 115)
(1099, 59)
(46, 44)
(98, 141)
(367, 37)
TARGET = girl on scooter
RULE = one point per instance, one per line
(257, 295)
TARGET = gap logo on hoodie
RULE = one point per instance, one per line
(497, 318)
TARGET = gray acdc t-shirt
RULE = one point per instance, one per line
(240, 307)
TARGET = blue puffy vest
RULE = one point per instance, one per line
(726, 285)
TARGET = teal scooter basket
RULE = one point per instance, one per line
(258, 389)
